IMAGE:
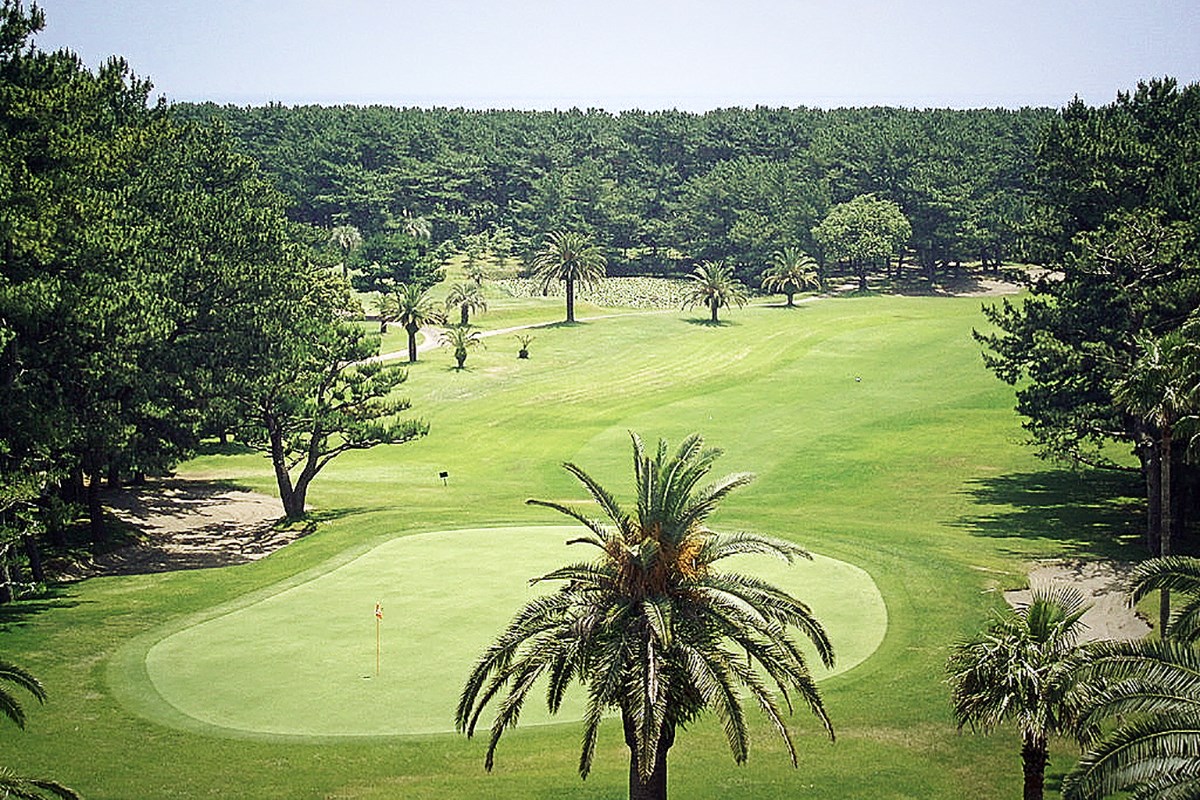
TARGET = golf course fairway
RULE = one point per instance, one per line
(301, 661)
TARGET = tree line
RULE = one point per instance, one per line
(1099, 350)
(660, 191)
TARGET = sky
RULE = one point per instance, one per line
(691, 55)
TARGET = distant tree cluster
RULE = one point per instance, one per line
(660, 191)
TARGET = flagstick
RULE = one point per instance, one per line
(378, 620)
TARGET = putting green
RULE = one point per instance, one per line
(302, 661)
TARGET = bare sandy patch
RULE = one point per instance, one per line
(190, 524)
(1105, 584)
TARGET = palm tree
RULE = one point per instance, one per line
(651, 628)
(460, 338)
(386, 305)
(9, 705)
(11, 784)
(792, 271)
(1179, 574)
(525, 339)
(1160, 388)
(466, 297)
(1020, 670)
(714, 287)
(414, 310)
(22, 788)
(1151, 689)
(347, 239)
(417, 227)
(571, 258)
(477, 271)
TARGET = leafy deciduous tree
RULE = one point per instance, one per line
(863, 232)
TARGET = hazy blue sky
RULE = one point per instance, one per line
(619, 54)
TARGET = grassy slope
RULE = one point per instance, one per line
(915, 473)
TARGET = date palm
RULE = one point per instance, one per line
(652, 628)
(714, 287)
(347, 239)
(571, 258)
(792, 271)
(1177, 574)
(1020, 669)
(467, 298)
(12, 784)
(460, 339)
(1151, 689)
(414, 310)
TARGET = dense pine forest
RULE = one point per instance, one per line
(658, 190)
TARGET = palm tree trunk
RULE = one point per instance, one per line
(411, 330)
(1034, 758)
(1165, 455)
(570, 300)
(713, 305)
(655, 788)
(1149, 455)
(465, 313)
(790, 295)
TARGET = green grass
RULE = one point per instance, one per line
(915, 473)
(302, 661)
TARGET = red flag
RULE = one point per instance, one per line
(378, 611)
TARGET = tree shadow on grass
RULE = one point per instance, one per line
(1098, 514)
(17, 615)
(562, 323)
(705, 322)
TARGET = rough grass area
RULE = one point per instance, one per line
(878, 437)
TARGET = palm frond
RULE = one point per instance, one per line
(647, 627)
(20, 787)
(1144, 751)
